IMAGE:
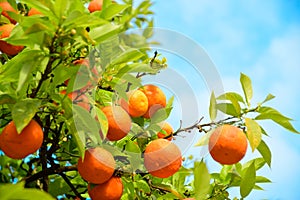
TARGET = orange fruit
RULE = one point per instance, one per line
(5, 6)
(95, 5)
(9, 49)
(110, 190)
(34, 11)
(156, 99)
(166, 130)
(137, 103)
(227, 144)
(19, 146)
(79, 99)
(97, 166)
(119, 122)
(162, 158)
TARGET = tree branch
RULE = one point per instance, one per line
(71, 185)
(50, 171)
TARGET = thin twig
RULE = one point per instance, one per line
(66, 179)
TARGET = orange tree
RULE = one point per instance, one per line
(74, 68)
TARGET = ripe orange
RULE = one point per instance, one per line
(98, 165)
(95, 5)
(5, 6)
(227, 144)
(34, 11)
(9, 49)
(119, 122)
(156, 99)
(162, 158)
(79, 99)
(18, 146)
(166, 129)
(110, 190)
(137, 104)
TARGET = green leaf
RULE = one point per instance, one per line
(170, 102)
(42, 6)
(79, 137)
(204, 139)
(262, 179)
(17, 191)
(225, 175)
(213, 107)
(127, 56)
(277, 117)
(142, 185)
(103, 121)
(270, 113)
(12, 68)
(23, 112)
(248, 180)
(265, 152)
(231, 95)
(258, 163)
(234, 99)
(84, 122)
(253, 133)
(58, 187)
(7, 99)
(201, 180)
(134, 154)
(160, 115)
(227, 108)
(104, 32)
(247, 87)
(79, 19)
(26, 70)
(268, 98)
(113, 10)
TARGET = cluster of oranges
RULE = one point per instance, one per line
(162, 158)
(6, 29)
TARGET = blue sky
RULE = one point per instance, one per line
(258, 38)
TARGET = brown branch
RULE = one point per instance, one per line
(50, 171)
(200, 126)
(164, 189)
(71, 185)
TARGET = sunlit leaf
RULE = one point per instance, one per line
(103, 121)
(113, 10)
(201, 180)
(265, 152)
(17, 191)
(212, 107)
(262, 179)
(84, 122)
(228, 109)
(247, 87)
(277, 117)
(23, 112)
(106, 31)
(231, 95)
(127, 56)
(79, 137)
(204, 139)
(253, 133)
(248, 180)
(268, 98)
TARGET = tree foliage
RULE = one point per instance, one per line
(35, 84)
